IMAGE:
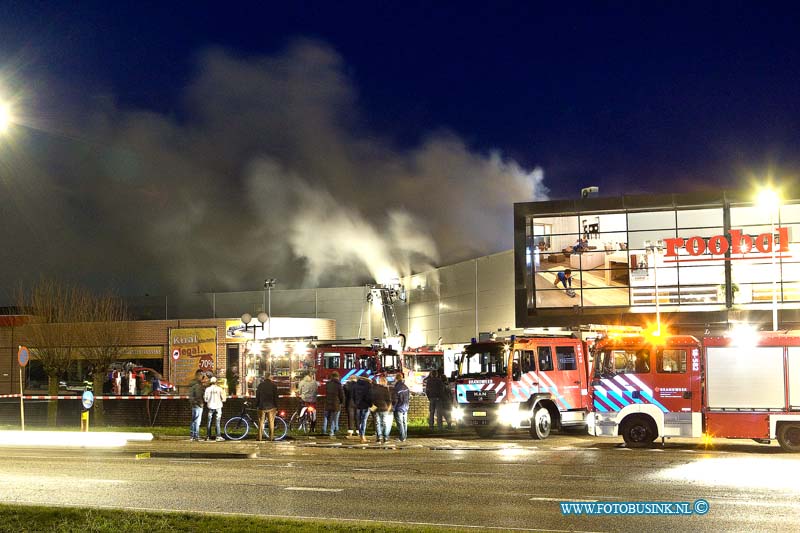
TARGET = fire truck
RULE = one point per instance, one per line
(418, 363)
(534, 382)
(742, 385)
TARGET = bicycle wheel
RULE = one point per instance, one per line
(299, 423)
(236, 428)
(281, 428)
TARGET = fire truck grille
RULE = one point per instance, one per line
(480, 396)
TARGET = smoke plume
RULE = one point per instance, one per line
(269, 170)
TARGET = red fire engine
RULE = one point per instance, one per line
(346, 359)
(533, 382)
(673, 386)
(418, 363)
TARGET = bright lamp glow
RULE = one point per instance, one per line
(457, 414)
(744, 335)
(511, 414)
(277, 348)
(769, 199)
(5, 117)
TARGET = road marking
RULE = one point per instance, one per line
(313, 489)
(476, 473)
(585, 477)
(189, 460)
(566, 499)
(377, 470)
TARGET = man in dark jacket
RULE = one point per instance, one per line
(334, 397)
(350, 405)
(267, 405)
(196, 403)
(401, 397)
(362, 397)
(433, 390)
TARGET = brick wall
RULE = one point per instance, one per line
(152, 412)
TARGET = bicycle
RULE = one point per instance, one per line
(237, 427)
(304, 418)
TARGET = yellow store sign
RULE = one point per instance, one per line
(197, 349)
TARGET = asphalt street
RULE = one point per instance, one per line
(513, 483)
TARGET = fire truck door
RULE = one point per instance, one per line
(524, 382)
(677, 388)
(559, 374)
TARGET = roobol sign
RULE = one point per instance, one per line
(737, 243)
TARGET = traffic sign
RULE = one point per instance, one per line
(176, 354)
(23, 355)
(87, 399)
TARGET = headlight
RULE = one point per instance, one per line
(511, 414)
(457, 414)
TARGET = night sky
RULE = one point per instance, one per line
(439, 116)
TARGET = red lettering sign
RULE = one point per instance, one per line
(739, 243)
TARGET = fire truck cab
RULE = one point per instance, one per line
(733, 386)
(646, 386)
(417, 365)
(531, 382)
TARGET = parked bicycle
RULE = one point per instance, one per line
(304, 418)
(238, 427)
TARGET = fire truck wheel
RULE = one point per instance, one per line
(789, 437)
(541, 423)
(638, 431)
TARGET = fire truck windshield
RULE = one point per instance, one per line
(619, 361)
(368, 362)
(426, 363)
(390, 361)
(483, 362)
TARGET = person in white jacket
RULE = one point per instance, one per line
(214, 397)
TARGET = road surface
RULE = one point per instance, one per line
(514, 483)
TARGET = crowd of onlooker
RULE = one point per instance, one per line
(359, 397)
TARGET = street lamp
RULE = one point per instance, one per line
(269, 283)
(655, 248)
(769, 199)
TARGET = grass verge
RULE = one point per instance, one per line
(24, 518)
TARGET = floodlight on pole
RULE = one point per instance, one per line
(769, 199)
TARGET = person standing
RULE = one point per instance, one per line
(334, 397)
(401, 397)
(307, 390)
(446, 403)
(433, 390)
(362, 397)
(350, 405)
(214, 397)
(196, 403)
(382, 402)
(267, 405)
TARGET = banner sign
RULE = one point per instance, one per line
(739, 244)
(198, 351)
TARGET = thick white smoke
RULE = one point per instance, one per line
(269, 170)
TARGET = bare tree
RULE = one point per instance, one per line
(104, 334)
(52, 333)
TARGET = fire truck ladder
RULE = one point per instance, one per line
(387, 295)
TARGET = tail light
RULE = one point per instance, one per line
(311, 409)
(282, 414)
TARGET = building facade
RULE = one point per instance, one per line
(702, 261)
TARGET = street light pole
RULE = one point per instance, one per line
(774, 272)
(269, 283)
(769, 198)
(655, 248)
